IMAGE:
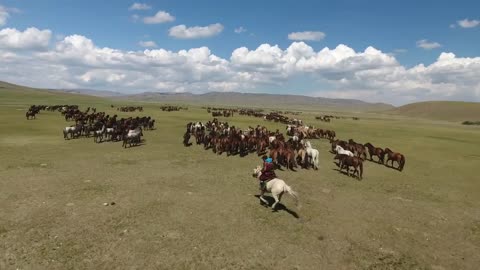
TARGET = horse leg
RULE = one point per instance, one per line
(262, 200)
(277, 200)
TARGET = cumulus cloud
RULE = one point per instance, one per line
(370, 74)
(147, 44)
(160, 17)
(466, 23)
(184, 32)
(139, 6)
(239, 30)
(31, 38)
(307, 35)
(428, 45)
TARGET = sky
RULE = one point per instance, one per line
(379, 51)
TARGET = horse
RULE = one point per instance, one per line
(375, 151)
(347, 161)
(341, 151)
(311, 153)
(69, 130)
(109, 132)
(186, 138)
(277, 187)
(133, 136)
(30, 115)
(98, 134)
(393, 156)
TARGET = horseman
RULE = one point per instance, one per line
(268, 173)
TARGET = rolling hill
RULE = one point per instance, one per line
(441, 110)
(261, 100)
(210, 98)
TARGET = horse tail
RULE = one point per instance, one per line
(402, 162)
(292, 193)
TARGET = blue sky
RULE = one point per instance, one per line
(395, 28)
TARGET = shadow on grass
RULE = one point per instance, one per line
(279, 206)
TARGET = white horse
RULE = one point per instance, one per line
(271, 139)
(98, 134)
(109, 133)
(133, 136)
(276, 187)
(312, 153)
(69, 130)
(342, 151)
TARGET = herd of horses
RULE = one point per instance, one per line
(99, 125)
(290, 153)
(130, 109)
(220, 137)
(103, 127)
(171, 108)
(350, 153)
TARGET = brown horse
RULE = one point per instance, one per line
(347, 161)
(393, 156)
(186, 138)
(30, 115)
(375, 151)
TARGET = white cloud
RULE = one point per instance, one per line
(160, 17)
(76, 62)
(31, 38)
(147, 44)
(183, 32)
(428, 45)
(240, 29)
(466, 23)
(307, 35)
(139, 6)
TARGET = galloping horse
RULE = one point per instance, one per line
(69, 130)
(30, 115)
(347, 161)
(276, 187)
(98, 134)
(312, 154)
(399, 158)
(375, 151)
(133, 136)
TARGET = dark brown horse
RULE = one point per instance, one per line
(30, 115)
(186, 138)
(347, 161)
(393, 156)
(375, 151)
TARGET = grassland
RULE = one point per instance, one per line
(186, 208)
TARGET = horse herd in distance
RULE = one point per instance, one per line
(99, 125)
(290, 153)
(221, 137)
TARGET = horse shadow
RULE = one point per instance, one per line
(279, 206)
(345, 173)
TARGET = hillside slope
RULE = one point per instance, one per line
(22, 95)
(441, 110)
(262, 100)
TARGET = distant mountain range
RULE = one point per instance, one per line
(233, 99)
(258, 100)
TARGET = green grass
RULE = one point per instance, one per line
(187, 208)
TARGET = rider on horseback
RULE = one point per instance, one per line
(268, 172)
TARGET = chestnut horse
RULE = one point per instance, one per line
(375, 151)
(347, 161)
(393, 156)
